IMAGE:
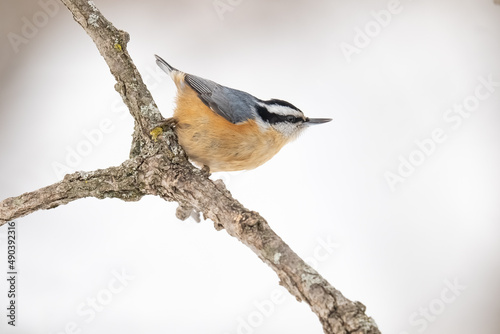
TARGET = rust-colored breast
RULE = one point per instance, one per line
(211, 140)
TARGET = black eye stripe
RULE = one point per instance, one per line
(273, 118)
(293, 119)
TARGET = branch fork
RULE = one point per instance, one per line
(158, 166)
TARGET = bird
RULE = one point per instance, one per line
(226, 129)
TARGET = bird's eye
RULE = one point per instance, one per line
(291, 119)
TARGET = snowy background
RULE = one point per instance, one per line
(395, 202)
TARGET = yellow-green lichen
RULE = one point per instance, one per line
(156, 132)
(118, 47)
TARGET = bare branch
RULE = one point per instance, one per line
(190, 187)
(159, 167)
(114, 182)
(112, 44)
(186, 185)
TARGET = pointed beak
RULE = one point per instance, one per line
(314, 121)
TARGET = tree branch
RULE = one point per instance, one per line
(114, 182)
(184, 185)
(112, 45)
(158, 166)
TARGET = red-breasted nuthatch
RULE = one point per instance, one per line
(227, 129)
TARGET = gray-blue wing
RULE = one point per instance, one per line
(234, 105)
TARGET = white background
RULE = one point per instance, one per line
(393, 250)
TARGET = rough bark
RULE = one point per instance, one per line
(158, 166)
